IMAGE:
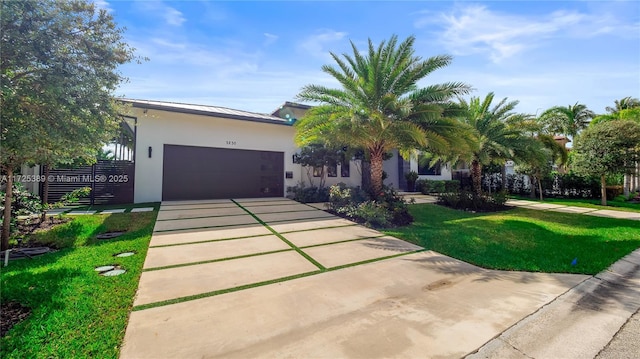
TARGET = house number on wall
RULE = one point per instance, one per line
(231, 143)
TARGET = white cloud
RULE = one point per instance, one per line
(269, 39)
(474, 29)
(173, 16)
(170, 15)
(315, 45)
(102, 5)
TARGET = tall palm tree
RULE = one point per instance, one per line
(494, 139)
(379, 106)
(567, 120)
(623, 104)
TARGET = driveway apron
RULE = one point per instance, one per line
(274, 278)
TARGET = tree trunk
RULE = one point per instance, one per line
(603, 189)
(532, 186)
(6, 222)
(503, 171)
(376, 171)
(45, 194)
(476, 177)
(627, 184)
(540, 186)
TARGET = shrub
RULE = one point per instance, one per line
(411, 178)
(433, 186)
(304, 194)
(372, 214)
(354, 203)
(23, 202)
(452, 186)
(469, 201)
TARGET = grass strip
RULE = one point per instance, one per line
(302, 253)
(223, 291)
(205, 227)
(208, 241)
(586, 203)
(321, 228)
(268, 282)
(375, 260)
(165, 208)
(342, 241)
(198, 217)
(214, 260)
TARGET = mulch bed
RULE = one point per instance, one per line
(11, 313)
(31, 225)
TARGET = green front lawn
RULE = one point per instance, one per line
(588, 203)
(522, 239)
(76, 313)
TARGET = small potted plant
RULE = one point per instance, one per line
(411, 177)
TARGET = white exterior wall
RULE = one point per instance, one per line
(33, 185)
(445, 172)
(390, 166)
(157, 128)
(354, 179)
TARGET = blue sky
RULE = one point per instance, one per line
(256, 55)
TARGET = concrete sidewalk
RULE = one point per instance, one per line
(598, 318)
(635, 216)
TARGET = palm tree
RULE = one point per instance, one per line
(567, 120)
(493, 139)
(538, 158)
(379, 106)
(623, 104)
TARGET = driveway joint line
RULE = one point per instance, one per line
(300, 251)
(209, 241)
(319, 229)
(342, 241)
(205, 227)
(200, 217)
(214, 260)
(222, 291)
(372, 260)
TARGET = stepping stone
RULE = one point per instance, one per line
(143, 209)
(80, 213)
(110, 211)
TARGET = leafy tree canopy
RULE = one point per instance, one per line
(610, 147)
(59, 64)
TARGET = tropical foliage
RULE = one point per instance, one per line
(611, 147)
(379, 106)
(492, 138)
(567, 120)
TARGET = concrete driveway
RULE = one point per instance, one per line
(275, 278)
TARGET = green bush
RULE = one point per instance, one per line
(23, 202)
(304, 194)
(437, 186)
(452, 186)
(355, 204)
(372, 214)
(469, 201)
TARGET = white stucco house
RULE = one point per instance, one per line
(189, 152)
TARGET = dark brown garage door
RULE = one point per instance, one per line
(191, 172)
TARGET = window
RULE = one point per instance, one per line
(317, 171)
(345, 170)
(424, 169)
(332, 170)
